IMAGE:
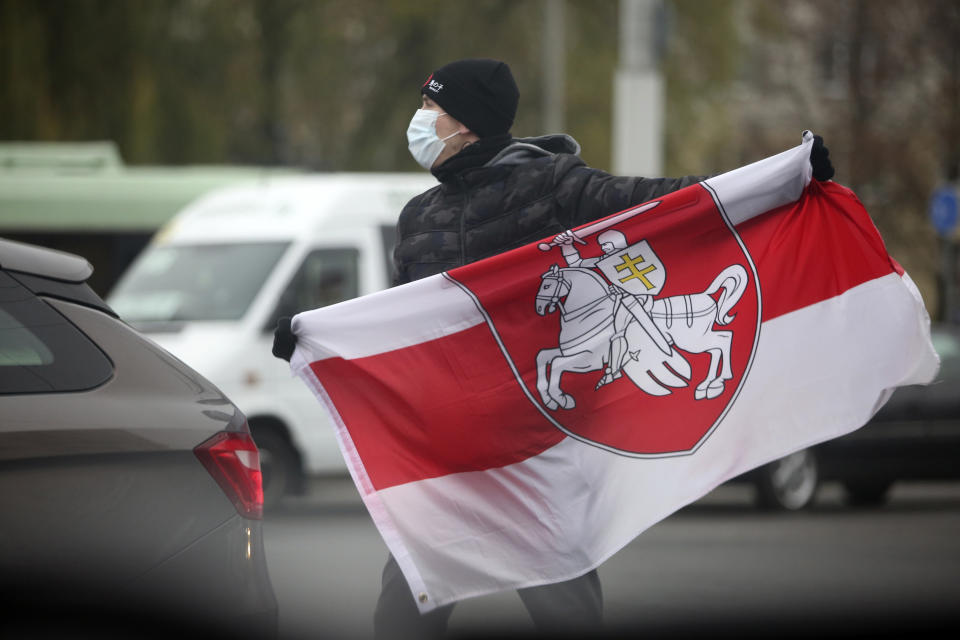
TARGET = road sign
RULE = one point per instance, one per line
(943, 210)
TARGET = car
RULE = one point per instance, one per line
(130, 487)
(914, 436)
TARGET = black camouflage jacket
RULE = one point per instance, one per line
(532, 189)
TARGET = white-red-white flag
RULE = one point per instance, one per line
(496, 447)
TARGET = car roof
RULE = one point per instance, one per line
(295, 206)
(40, 261)
(51, 273)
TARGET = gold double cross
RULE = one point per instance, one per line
(631, 265)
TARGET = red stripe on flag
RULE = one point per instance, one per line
(473, 415)
(814, 249)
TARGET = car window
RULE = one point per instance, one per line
(40, 350)
(325, 277)
(20, 347)
(195, 282)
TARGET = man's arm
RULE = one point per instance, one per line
(600, 194)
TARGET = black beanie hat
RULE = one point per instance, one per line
(478, 92)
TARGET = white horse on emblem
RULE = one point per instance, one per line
(587, 309)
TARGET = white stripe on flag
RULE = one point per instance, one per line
(766, 184)
(384, 321)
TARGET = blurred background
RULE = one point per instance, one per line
(115, 114)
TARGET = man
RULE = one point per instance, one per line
(496, 193)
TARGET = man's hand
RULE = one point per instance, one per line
(284, 342)
(820, 160)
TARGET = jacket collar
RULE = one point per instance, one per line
(501, 151)
(470, 157)
(522, 150)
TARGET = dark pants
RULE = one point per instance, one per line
(562, 607)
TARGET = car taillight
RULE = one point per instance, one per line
(232, 459)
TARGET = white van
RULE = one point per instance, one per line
(212, 283)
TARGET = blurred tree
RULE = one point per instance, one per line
(322, 84)
(331, 84)
(879, 80)
(701, 64)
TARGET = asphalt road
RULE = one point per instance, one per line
(716, 568)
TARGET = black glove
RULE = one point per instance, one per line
(820, 160)
(284, 342)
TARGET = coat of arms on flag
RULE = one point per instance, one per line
(638, 348)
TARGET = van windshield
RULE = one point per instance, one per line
(194, 282)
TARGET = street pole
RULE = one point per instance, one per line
(554, 66)
(638, 109)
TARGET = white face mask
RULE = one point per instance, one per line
(422, 139)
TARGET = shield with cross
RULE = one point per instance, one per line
(636, 269)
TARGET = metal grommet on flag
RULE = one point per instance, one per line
(422, 598)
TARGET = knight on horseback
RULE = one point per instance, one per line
(638, 305)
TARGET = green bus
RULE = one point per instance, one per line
(82, 198)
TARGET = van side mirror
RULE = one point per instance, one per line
(286, 306)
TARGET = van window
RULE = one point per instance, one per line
(195, 282)
(325, 277)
